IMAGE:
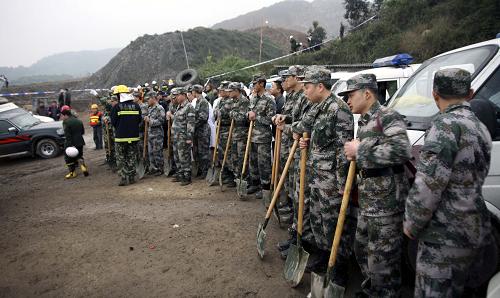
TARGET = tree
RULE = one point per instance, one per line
(316, 35)
(294, 45)
(356, 11)
(341, 30)
(376, 5)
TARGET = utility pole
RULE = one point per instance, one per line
(261, 32)
(185, 52)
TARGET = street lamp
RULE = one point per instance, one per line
(261, 31)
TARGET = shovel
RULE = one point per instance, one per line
(322, 286)
(213, 172)
(266, 198)
(228, 145)
(296, 260)
(242, 184)
(168, 164)
(261, 234)
(141, 168)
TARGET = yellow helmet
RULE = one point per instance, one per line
(121, 89)
(94, 106)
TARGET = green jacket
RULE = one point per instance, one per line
(73, 132)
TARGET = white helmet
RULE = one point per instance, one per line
(153, 83)
(72, 151)
(146, 85)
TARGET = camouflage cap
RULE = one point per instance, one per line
(223, 85)
(113, 98)
(233, 86)
(294, 70)
(150, 94)
(360, 81)
(197, 88)
(178, 90)
(317, 75)
(258, 78)
(452, 82)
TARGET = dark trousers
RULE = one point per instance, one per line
(72, 162)
(98, 136)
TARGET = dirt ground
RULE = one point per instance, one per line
(89, 237)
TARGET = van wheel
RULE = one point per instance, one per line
(47, 148)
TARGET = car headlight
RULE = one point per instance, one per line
(60, 131)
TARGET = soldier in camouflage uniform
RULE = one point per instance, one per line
(222, 110)
(262, 109)
(183, 131)
(155, 119)
(301, 106)
(109, 137)
(239, 115)
(142, 102)
(330, 124)
(202, 131)
(445, 209)
(172, 108)
(381, 150)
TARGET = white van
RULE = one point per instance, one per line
(414, 101)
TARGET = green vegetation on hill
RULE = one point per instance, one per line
(423, 28)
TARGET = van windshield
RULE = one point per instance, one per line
(415, 97)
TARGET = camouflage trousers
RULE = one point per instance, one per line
(182, 157)
(228, 167)
(155, 149)
(202, 148)
(238, 156)
(140, 151)
(442, 270)
(378, 252)
(126, 158)
(260, 163)
(109, 144)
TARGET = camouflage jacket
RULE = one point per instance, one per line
(239, 112)
(445, 204)
(107, 107)
(384, 144)
(156, 115)
(184, 122)
(222, 111)
(330, 124)
(144, 112)
(202, 110)
(264, 108)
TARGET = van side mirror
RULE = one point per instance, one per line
(13, 130)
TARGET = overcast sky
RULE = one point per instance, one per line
(33, 29)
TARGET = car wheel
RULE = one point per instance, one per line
(47, 148)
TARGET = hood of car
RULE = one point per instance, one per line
(47, 125)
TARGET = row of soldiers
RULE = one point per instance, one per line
(443, 210)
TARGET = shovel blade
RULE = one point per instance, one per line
(334, 291)
(194, 169)
(261, 241)
(241, 189)
(140, 169)
(318, 289)
(212, 175)
(295, 265)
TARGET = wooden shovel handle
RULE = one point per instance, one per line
(278, 155)
(273, 169)
(217, 133)
(282, 179)
(228, 144)
(145, 147)
(302, 182)
(247, 149)
(342, 214)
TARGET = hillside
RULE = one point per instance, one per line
(422, 28)
(60, 66)
(296, 15)
(157, 57)
(280, 36)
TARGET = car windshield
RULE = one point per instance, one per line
(415, 97)
(24, 120)
(339, 86)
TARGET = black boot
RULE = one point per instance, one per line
(123, 182)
